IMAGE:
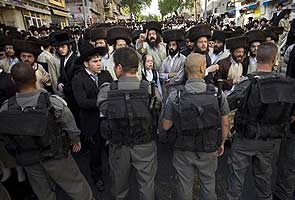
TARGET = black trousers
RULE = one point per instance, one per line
(95, 145)
(285, 184)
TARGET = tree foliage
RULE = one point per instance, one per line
(173, 6)
(134, 6)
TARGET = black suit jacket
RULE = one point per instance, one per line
(7, 88)
(67, 73)
(85, 92)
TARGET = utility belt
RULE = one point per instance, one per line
(25, 157)
(261, 131)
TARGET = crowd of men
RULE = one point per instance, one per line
(119, 87)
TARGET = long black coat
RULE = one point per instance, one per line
(85, 92)
(7, 87)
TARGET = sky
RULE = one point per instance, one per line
(152, 9)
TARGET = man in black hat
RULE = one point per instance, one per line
(118, 37)
(172, 68)
(264, 103)
(150, 43)
(28, 52)
(85, 89)
(67, 68)
(255, 38)
(276, 15)
(189, 46)
(231, 69)
(200, 35)
(219, 51)
(48, 59)
(11, 59)
(40, 130)
(99, 38)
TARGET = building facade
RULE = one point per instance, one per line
(89, 12)
(25, 13)
(254, 8)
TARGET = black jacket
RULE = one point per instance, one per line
(7, 88)
(67, 73)
(291, 64)
(85, 93)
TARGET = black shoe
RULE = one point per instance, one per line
(99, 185)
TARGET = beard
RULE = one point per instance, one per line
(198, 50)
(217, 50)
(153, 43)
(238, 59)
(172, 52)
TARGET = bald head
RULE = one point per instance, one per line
(195, 65)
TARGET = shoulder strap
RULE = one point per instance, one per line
(44, 101)
(114, 85)
(144, 84)
(12, 104)
(210, 88)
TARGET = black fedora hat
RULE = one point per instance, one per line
(60, 38)
(99, 33)
(173, 35)
(88, 50)
(5, 40)
(27, 46)
(219, 35)
(119, 32)
(255, 36)
(152, 25)
(201, 30)
(237, 42)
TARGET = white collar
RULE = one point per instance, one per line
(90, 73)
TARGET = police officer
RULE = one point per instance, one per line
(196, 114)
(36, 126)
(264, 102)
(127, 109)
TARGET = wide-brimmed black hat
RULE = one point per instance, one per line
(255, 36)
(152, 25)
(201, 30)
(99, 33)
(44, 41)
(219, 35)
(87, 50)
(236, 42)
(119, 32)
(60, 38)
(5, 40)
(27, 46)
(9, 28)
(274, 32)
(173, 35)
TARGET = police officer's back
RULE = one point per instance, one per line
(36, 126)
(264, 102)
(195, 112)
(126, 106)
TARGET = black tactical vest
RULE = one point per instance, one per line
(33, 133)
(129, 119)
(265, 111)
(198, 120)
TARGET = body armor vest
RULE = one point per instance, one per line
(129, 118)
(265, 111)
(198, 120)
(33, 133)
